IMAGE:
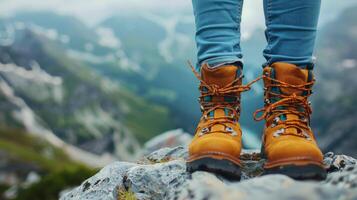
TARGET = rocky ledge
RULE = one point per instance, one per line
(162, 175)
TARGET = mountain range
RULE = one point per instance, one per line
(73, 94)
(109, 88)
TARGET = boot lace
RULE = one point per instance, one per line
(287, 104)
(233, 107)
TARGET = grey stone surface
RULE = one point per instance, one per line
(171, 138)
(162, 175)
(166, 154)
(207, 186)
(103, 185)
(157, 181)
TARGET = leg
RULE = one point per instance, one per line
(289, 144)
(218, 31)
(291, 31)
(217, 144)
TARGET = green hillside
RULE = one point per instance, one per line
(22, 153)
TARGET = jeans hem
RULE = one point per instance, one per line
(215, 62)
(301, 64)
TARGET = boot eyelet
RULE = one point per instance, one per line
(275, 122)
(278, 132)
(307, 136)
(304, 119)
(276, 119)
(204, 131)
(230, 129)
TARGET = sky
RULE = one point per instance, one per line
(93, 11)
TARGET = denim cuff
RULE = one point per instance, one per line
(217, 62)
(301, 64)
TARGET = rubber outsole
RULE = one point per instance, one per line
(304, 172)
(223, 167)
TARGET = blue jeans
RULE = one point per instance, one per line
(290, 31)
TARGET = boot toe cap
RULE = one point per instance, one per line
(293, 152)
(215, 143)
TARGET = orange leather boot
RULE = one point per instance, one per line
(217, 144)
(289, 144)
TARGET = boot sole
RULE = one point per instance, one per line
(223, 167)
(297, 172)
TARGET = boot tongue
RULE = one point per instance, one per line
(288, 118)
(290, 74)
(218, 113)
(220, 76)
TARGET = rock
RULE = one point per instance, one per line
(338, 162)
(265, 187)
(344, 179)
(164, 178)
(162, 175)
(103, 185)
(166, 154)
(172, 138)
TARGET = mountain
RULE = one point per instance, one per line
(335, 111)
(67, 30)
(46, 91)
(160, 47)
(140, 64)
(166, 68)
(94, 94)
(144, 57)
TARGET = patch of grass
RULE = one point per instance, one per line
(30, 149)
(3, 188)
(52, 184)
(124, 194)
(164, 160)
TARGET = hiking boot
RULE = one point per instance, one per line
(216, 146)
(289, 144)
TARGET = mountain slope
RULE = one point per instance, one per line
(151, 65)
(71, 100)
(136, 58)
(28, 161)
(164, 61)
(335, 111)
(160, 47)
